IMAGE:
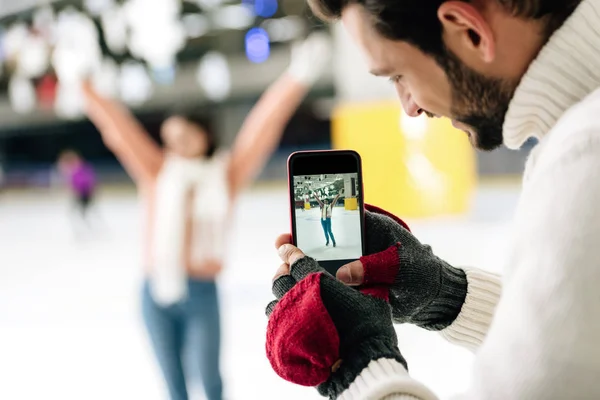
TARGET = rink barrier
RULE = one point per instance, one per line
(414, 167)
(351, 204)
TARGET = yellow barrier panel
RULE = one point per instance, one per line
(413, 167)
(351, 204)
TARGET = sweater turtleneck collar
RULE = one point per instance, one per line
(565, 71)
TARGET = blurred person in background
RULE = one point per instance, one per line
(188, 189)
(503, 71)
(81, 179)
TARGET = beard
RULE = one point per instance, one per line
(478, 101)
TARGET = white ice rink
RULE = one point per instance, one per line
(345, 226)
(69, 322)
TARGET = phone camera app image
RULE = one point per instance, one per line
(327, 216)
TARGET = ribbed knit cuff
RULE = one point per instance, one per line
(472, 324)
(386, 379)
(354, 362)
(445, 307)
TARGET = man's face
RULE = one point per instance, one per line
(442, 88)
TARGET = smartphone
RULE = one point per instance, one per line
(326, 206)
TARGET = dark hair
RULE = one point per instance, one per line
(416, 21)
(203, 121)
(69, 153)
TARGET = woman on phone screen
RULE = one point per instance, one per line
(326, 214)
(189, 188)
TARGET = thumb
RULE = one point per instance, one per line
(289, 254)
(352, 274)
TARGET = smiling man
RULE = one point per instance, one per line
(503, 71)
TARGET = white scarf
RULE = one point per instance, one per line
(326, 211)
(208, 181)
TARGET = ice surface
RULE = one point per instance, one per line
(69, 321)
(345, 226)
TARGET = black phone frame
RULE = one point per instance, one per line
(326, 162)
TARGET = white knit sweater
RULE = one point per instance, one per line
(543, 341)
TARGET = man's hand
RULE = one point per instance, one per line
(321, 332)
(310, 58)
(423, 289)
(288, 252)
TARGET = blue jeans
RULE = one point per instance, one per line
(191, 328)
(326, 224)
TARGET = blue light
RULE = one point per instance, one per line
(262, 8)
(257, 45)
(265, 8)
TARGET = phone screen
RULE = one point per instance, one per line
(327, 213)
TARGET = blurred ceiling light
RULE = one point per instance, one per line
(34, 57)
(106, 78)
(208, 4)
(214, 77)
(44, 21)
(234, 17)
(284, 29)
(160, 45)
(69, 101)
(262, 8)
(144, 12)
(195, 25)
(76, 27)
(258, 47)
(265, 8)
(97, 7)
(13, 39)
(68, 14)
(156, 34)
(293, 7)
(135, 86)
(21, 94)
(77, 51)
(114, 26)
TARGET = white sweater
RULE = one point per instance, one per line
(543, 341)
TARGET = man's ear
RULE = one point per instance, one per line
(466, 33)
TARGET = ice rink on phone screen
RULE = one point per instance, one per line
(345, 225)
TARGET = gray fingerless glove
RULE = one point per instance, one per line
(423, 289)
(318, 322)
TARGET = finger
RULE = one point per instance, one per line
(352, 273)
(289, 254)
(282, 285)
(270, 307)
(304, 267)
(283, 269)
(286, 238)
